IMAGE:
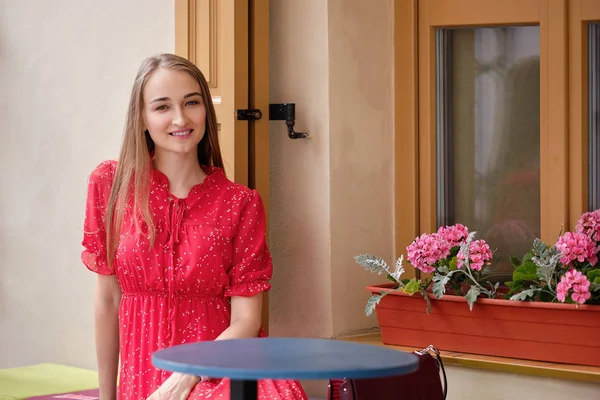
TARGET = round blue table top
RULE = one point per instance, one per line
(284, 358)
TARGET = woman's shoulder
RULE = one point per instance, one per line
(235, 191)
(103, 172)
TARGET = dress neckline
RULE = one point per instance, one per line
(212, 176)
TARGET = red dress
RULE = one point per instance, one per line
(209, 246)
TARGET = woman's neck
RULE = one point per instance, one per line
(182, 170)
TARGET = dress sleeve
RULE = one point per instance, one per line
(94, 233)
(252, 267)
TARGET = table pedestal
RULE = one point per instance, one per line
(243, 390)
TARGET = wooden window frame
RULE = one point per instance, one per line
(581, 12)
(415, 178)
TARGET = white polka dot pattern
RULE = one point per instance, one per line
(209, 246)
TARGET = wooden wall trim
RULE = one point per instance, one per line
(578, 111)
(405, 126)
(554, 120)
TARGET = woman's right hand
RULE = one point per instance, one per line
(176, 387)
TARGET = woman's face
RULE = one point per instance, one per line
(174, 111)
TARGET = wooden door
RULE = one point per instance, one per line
(229, 41)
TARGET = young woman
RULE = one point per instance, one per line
(179, 249)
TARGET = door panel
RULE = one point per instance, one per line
(213, 34)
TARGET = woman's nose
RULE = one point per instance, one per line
(179, 119)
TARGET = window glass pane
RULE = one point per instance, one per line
(594, 116)
(488, 136)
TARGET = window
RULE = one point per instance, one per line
(488, 135)
(482, 122)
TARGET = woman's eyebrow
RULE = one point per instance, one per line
(192, 94)
(167, 98)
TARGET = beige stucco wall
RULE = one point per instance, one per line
(300, 301)
(331, 195)
(66, 69)
(361, 55)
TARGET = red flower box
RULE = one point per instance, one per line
(551, 332)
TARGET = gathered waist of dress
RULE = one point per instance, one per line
(164, 293)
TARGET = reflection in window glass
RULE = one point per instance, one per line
(594, 116)
(488, 136)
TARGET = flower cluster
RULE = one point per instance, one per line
(580, 284)
(479, 255)
(589, 224)
(577, 246)
(431, 250)
(567, 272)
(455, 234)
(426, 251)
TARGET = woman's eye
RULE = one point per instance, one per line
(160, 108)
(192, 103)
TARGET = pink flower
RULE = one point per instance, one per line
(562, 291)
(426, 250)
(479, 254)
(454, 234)
(589, 223)
(576, 246)
(575, 280)
(580, 295)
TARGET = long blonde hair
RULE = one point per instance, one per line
(133, 174)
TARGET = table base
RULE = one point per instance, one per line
(244, 390)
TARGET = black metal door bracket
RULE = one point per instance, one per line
(277, 112)
(286, 112)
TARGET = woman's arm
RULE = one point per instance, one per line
(106, 318)
(246, 315)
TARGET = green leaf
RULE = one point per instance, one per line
(372, 263)
(398, 269)
(522, 296)
(545, 296)
(594, 276)
(546, 260)
(373, 301)
(439, 285)
(413, 286)
(595, 287)
(443, 269)
(453, 262)
(472, 295)
(526, 272)
(513, 287)
(515, 261)
(454, 251)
